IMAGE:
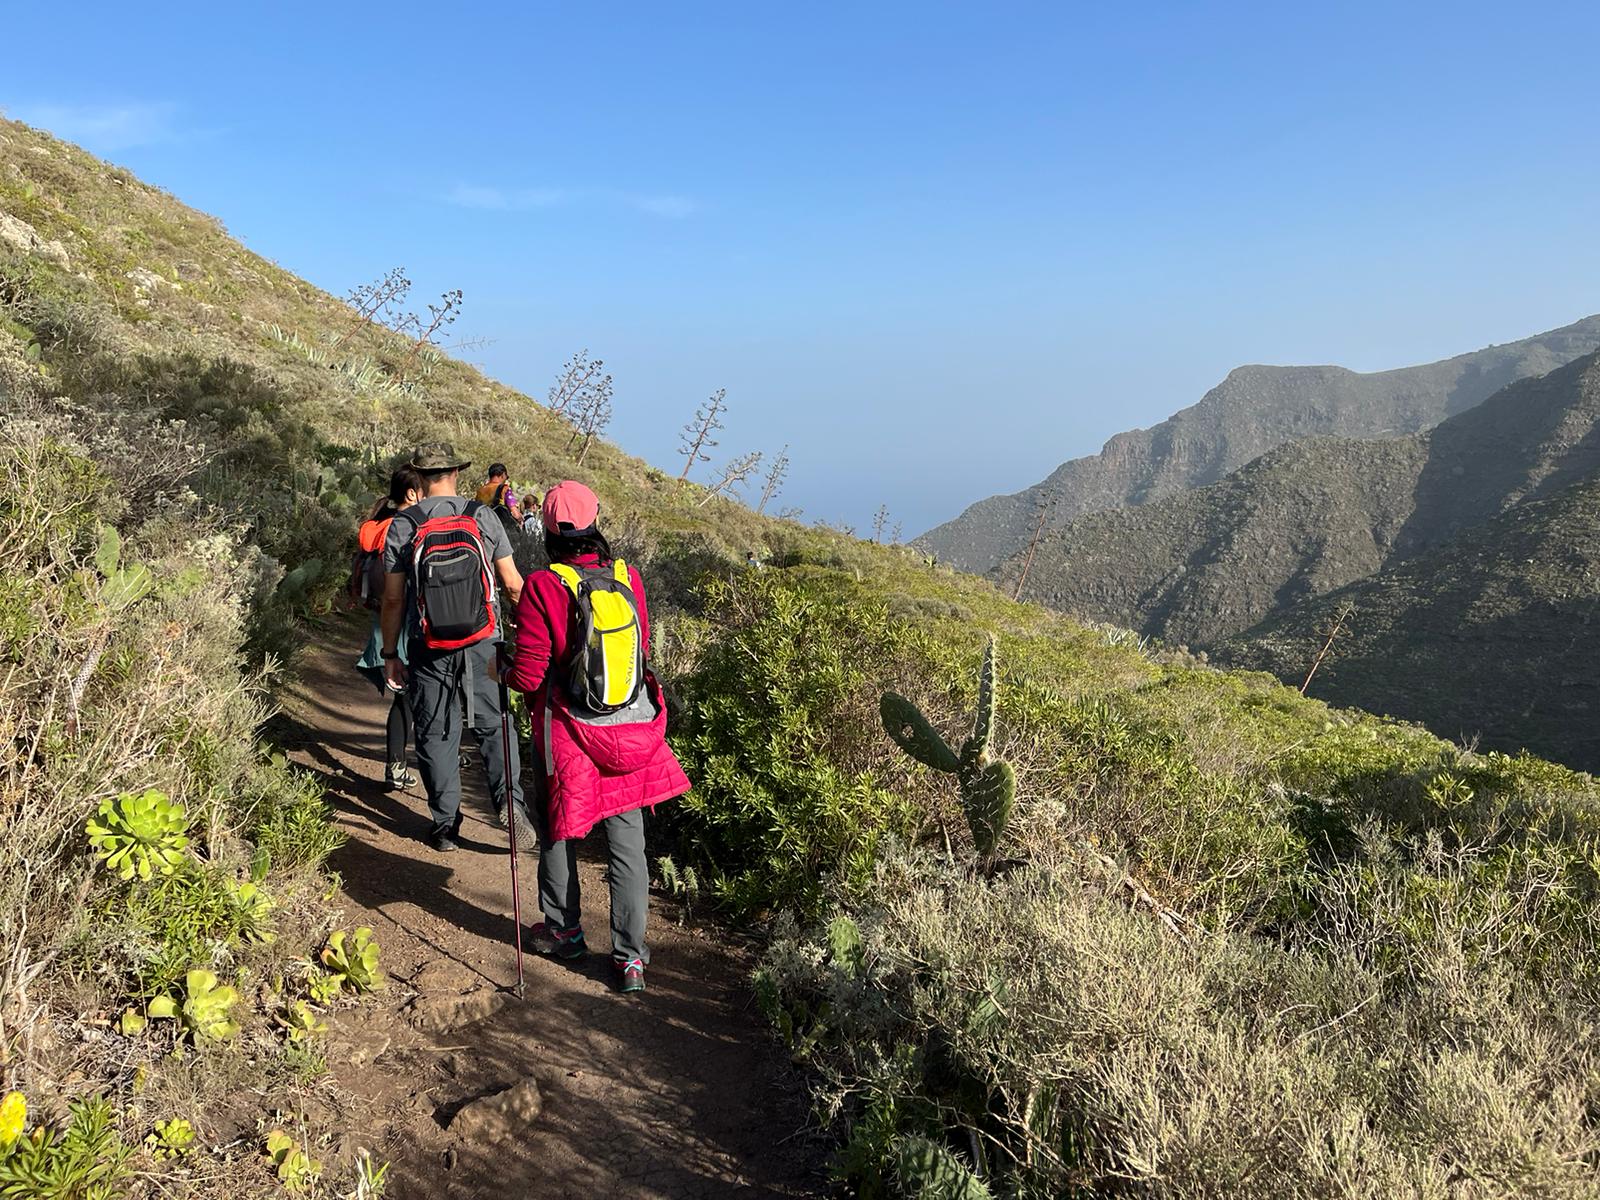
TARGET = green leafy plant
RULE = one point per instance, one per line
(206, 1011)
(354, 960)
(988, 786)
(255, 909)
(140, 834)
(297, 1170)
(171, 1139)
(124, 586)
(84, 1161)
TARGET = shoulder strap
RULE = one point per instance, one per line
(568, 575)
(619, 572)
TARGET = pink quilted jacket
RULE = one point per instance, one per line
(594, 771)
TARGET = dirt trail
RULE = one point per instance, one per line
(678, 1093)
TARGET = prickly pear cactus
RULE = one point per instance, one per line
(929, 1171)
(988, 786)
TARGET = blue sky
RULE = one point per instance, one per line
(934, 248)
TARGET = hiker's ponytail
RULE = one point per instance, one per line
(565, 547)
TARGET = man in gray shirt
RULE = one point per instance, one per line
(442, 682)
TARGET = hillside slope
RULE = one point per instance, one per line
(1493, 637)
(1318, 514)
(1373, 953)
(1252, 411)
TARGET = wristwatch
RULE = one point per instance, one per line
(388, 654)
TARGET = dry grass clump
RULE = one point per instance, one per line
(1056, 1039)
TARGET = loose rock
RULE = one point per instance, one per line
(500, 1114)
(436, 1014)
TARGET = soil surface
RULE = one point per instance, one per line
(573, 1090)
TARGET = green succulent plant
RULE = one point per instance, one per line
(324, 987)
(988, 785)
(206, 1011)
(296, 1169)
(141, 834)
(301, 1023)
(171, 1139)
(354, 960)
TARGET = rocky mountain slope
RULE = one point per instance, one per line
(1254, 410)
(1490, 637)
(1311, 517)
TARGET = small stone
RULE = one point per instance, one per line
(503, 1113)
(437, 1014)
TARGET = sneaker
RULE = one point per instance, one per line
(398, 776)
(630, 976)
(443, 843)
(557, 944)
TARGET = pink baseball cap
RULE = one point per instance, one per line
(569, 507)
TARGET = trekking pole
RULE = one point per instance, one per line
(511, 822)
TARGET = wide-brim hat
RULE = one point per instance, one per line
(438, 456)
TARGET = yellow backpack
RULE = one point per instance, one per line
(606, 667)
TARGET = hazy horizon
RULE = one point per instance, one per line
(936, 251)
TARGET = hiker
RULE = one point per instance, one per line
(532, 522)
(367, 584)
(496, 491)
(599, 727)
(446, 557)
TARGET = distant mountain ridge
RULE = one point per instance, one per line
(1316, 515)
(1492, 637)
(1254, 410)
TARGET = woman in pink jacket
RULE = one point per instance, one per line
(596, 769)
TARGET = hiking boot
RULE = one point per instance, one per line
(443, 843)
(630, 976)
(568, 945)
(397, 776)
(527, 840)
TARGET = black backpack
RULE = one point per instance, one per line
(453, 579)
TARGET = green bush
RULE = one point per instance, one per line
(781, 737)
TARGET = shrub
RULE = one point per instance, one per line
(781, 738)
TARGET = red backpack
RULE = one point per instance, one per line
(453, 580)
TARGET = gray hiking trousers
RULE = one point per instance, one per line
(440, 686)
(626, 871)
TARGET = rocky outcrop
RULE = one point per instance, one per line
(18, 233)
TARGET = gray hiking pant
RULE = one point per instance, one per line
(440, 686)
(626, 870)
